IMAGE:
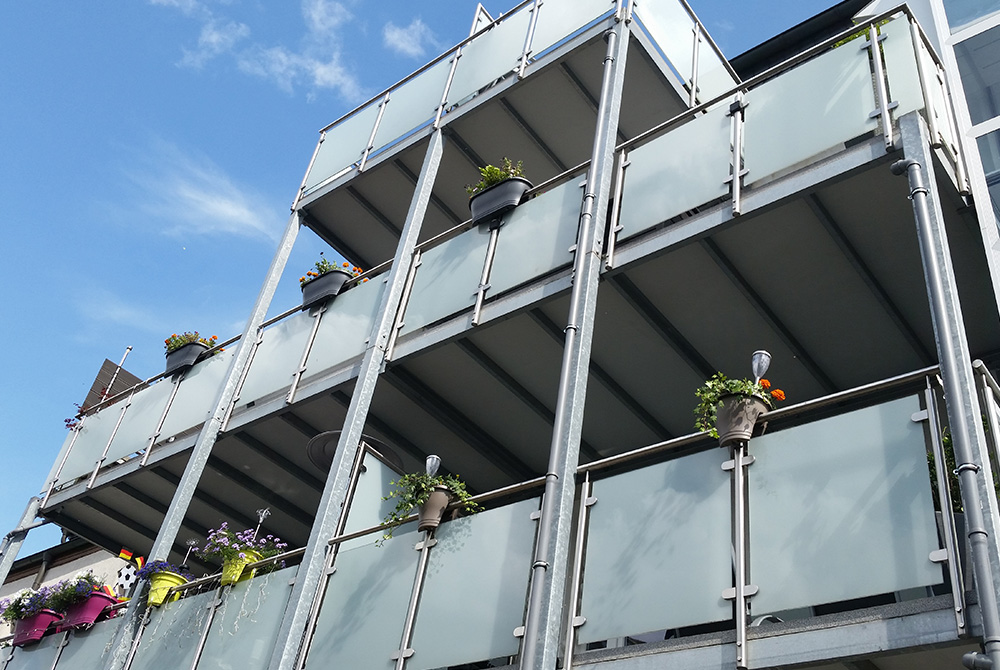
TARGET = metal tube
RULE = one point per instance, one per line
(107, 447)
(924, 84)
(62, 461)
(693, 93)
(317, 317)
(200, 646)
(540, 646)
(736, 110)
(527, 39)
(411, 275)
(243, 379)
(616, 207)
(740, 567)
(484, 279)
(956, 368)
(176, 381)
(991, 406)
(13, 540)
(881, 91)
(574, 620)
(405, 651)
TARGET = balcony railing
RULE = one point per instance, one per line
(835, 483)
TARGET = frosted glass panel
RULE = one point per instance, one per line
(90, 649)
(672, 29)
(558, 19)
(346, 325)
(367, 507)
(94, 436)
(413, 104)
(682, 169)
(658, 548)
(197, 394)
(447, 279)
(343, 145)
(361, 620)
(901, 67)
(713, 77)
(841, 508)
(490, 56)
(277, 358)
(486, 556)
(803, 112)
(35, 657)
(246, 625)
(536, 237)
(939, 106)
(171, 637)
(140, 420)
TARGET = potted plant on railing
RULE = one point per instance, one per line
(728, 409)
(429, 493)
(81, 599)
(29, 612)
(498, 191)
(162, 577)
(325, 281)
(237, 550)
(185, 349)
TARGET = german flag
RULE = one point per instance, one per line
(140, 561)
(125, 554)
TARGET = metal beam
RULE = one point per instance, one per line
(157, 506)
(211, 501)
(299, 473)
(13, 540)
(530, 132)
(247, 482)
(342, 247)
(445, 413)
(859, 265)
(373, 211)
(588, 97)
(661, 324)
(438, 202)
(519, 391)
(475, 160)
(393, 436)
(606, 379)
(300, 424)
(766, 313)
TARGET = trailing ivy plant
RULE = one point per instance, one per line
(719, 385)
(413, 490)
(492, 175)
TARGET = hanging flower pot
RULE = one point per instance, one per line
(32, 628)
(729, 408)
(86, 611)
(432, 510)
(499, 191)
(428, 492)
(325, 281)
(736, 416)
(233, 568)
(159, 584)
(184, 350)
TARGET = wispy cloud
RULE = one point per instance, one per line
(217, 37)
(185, 194)
(101, 306)
(411, 41)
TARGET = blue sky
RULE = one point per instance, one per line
(149, 152)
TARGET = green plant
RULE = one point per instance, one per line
(175, 341)
(70, 591)
(154, 567)
(226, 545)
(413, 490)
(322, 266)
(719, 385)
(492, 175)
(25, 603)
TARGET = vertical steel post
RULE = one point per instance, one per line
(176, 381)
(404, 651)
(317, 316)
(964, 415)
(881, 90)
(293, 624)
(693, 94)
(574, 620)
(742, 590)
(13, 540)
(107, 447)
(543, 628)
(736, 187)
(484, 279)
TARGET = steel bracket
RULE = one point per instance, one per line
(917, 417)
(938, 556)
(396, 655)
(748, 590)
(420, 546)
(519, 631)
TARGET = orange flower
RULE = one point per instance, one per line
(778, 394)
(766, 384)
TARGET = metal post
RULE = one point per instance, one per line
(13, 540)
(328, 512)
(404, 651)
(371, 138)
(212, 608)
(403, 302)
(693, 94)
(62, 461)
(881, 91)
(176, 381)
(736, 112)
(300, 370)
(541, 647)
(114, 431)
(964, 415)
(616, 207)
(742, 589)
(575, 620)
(529, 36)
(243, 379)
(484, 279)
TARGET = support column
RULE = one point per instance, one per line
(12, 541)
(296, 618)
(964, 414)
(548, 571)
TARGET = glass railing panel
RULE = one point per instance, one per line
(658, 549)
(361, 620)
(713, 77)
(277, 358)
(808, 110)
(36, 657)
(935, 92)
(367, 507)
(94, 435)
(489, 56)
(246, 625)
(901, 67)
(197, 394)
(486, 556)
(170, 639)
(537, 236)
(447, 279)
(558, 19)
(672, 29)
(89, 649)
(841, 508)
(342, 145)
(676, 172)
(347, 323)
(412, 104)
(140, 420)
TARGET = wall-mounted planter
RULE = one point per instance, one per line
(736, 416)
(184, 357)
(323, 287)
(85, 612)
(432, 510)
(234, 570)
(159, 584)
(32, 628)
(490, 204)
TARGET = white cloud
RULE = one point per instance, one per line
(411, 40)
(324, 17)
(188, 194)
(216, 38)
(99, 305)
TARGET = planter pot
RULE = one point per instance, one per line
(432, 510)
(159, 584)
(85, 612)
(736, 416)
(185, 357)
(32, 628)
(490, 204)
(323, 287)
(233, 570)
